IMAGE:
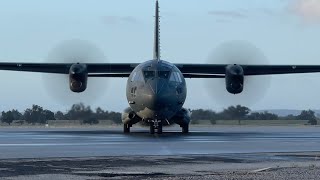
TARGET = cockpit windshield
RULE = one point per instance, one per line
(149, 74)
(159, 74)
(164, 74)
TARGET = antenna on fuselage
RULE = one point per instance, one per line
(156, 49)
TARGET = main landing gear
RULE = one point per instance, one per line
(126, 128)
(185, 128)
(156, 125)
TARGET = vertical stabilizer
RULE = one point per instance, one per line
(156, 50)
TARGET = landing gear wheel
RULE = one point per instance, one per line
(185, 129)
(159, 128)
(151, 128)
(126, 128)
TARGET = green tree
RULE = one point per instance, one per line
(115, 117)
(235, 112)
(262, 116)
(308, 115)
(16, 115)
(59, 116)
(79, 112)
(7, 117)
(27, 115)
(100, 114)
(49, 115)
(37, 115)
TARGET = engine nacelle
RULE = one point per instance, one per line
(234, 79)
(78, 76)
(130, 117)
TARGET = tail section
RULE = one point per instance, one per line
(156, 50)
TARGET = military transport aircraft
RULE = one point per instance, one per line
(156, 89)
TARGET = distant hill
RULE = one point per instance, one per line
(286, 112)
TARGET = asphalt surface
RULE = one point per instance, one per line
(220, 152)
(52, 142)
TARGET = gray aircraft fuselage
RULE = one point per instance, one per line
(156, 89)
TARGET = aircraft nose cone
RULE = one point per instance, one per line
(156, 95)
(156, 86)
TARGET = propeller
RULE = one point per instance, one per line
(241, 53)
(74, 51)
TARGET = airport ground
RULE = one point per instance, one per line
(108, 123)
(215, 152)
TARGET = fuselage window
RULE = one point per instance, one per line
(148, 74)
(164, 74)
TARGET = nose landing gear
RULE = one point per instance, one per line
(156, 125)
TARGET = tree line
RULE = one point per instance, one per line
(244, 113)
(38, 115)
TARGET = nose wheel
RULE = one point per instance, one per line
(156, 125)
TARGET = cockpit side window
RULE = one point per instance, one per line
(172, 77)
(164, 74)
(133, 76)
(178, 77)
(175, 77)
(137, 76)
(149, 74)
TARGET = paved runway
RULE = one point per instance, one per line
(67, 142)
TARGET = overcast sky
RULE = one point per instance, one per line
(286, 31)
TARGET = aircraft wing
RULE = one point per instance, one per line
(188, 70)
(94, 69)
(219, 70)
